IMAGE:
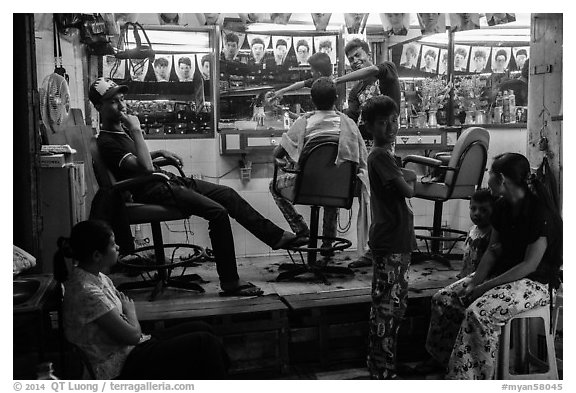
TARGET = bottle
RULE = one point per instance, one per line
(512, 99)
(498, 109)
(45, 371)
(505, 107)
(286, 119)
(403, 111)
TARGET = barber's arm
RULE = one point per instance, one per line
(357, 75)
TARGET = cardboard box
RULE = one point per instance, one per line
(55, 160)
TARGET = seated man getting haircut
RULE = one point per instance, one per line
(124, 151)
(322, 123)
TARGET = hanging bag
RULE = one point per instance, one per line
(141, 51)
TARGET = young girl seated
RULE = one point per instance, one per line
(102, 322)
(476, 243)
(523, 258)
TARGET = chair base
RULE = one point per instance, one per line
(162, 278)
(158, 285)
(311, 266)
(436, 255)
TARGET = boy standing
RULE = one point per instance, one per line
(479, 235)
(391, 236)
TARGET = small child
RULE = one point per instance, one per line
(391, 236)
(479, 235)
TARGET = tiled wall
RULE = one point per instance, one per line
(201, 156)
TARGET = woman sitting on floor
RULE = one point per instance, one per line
(524, 255)
(102, 322)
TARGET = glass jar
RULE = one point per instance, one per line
(469, 117)
(480, 117)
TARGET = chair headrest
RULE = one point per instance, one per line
(467, 137)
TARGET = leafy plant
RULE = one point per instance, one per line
(433, 93)
(468, 92)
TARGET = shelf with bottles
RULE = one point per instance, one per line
(166, 119)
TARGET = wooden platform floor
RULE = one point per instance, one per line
(425, 278)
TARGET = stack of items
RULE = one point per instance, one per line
(56, 156)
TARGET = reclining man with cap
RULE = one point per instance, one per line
(124, 151)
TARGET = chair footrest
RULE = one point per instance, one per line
(339, 244)
(460, 235)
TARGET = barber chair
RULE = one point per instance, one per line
(140, 213)
(319, 183)
(453, 176)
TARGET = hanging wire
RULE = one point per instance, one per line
(345, 228)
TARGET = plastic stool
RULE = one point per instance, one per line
(521, 340)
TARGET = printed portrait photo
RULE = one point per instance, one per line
(462, 22)
(429, 59)
(461, 57)
(204, 64)
(432, 23)
(354, 21)
(281, 45)
(410, 54)
(479, 60)
(321, 21)
(258, 46)
(395, 24)
(303, 47)
(521, 54)
(280, 19)
(326, 44)
(500, 60)
(185, 66)
(499, 19)
(231, 44)
(443, 63)
(162, 66)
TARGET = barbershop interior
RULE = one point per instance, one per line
(290, 196)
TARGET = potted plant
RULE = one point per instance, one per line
(433, 93)
(468, 96)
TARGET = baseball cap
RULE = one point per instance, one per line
(103, 88)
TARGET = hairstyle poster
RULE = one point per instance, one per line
(213, 19)
(461, 53)
(162, 67)
(258, 45)
(395, 24)
(521, 54)
(462, 22)
(280, 19)
(354, 21)
(185, 66)
(113, 68)
(443, 63)
(499, 19)
(326, 44)
(479, 59)
(500, 59)
(281, 46)
(204, 65)
(410, 55)
(321, 21)
(432, 23)
(303, 48)
(429, 59)
(231, 43)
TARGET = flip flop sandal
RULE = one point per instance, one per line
(247, 289)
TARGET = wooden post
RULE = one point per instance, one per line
(545, 93)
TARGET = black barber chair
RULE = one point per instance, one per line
(319, 183)
(139, 213)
